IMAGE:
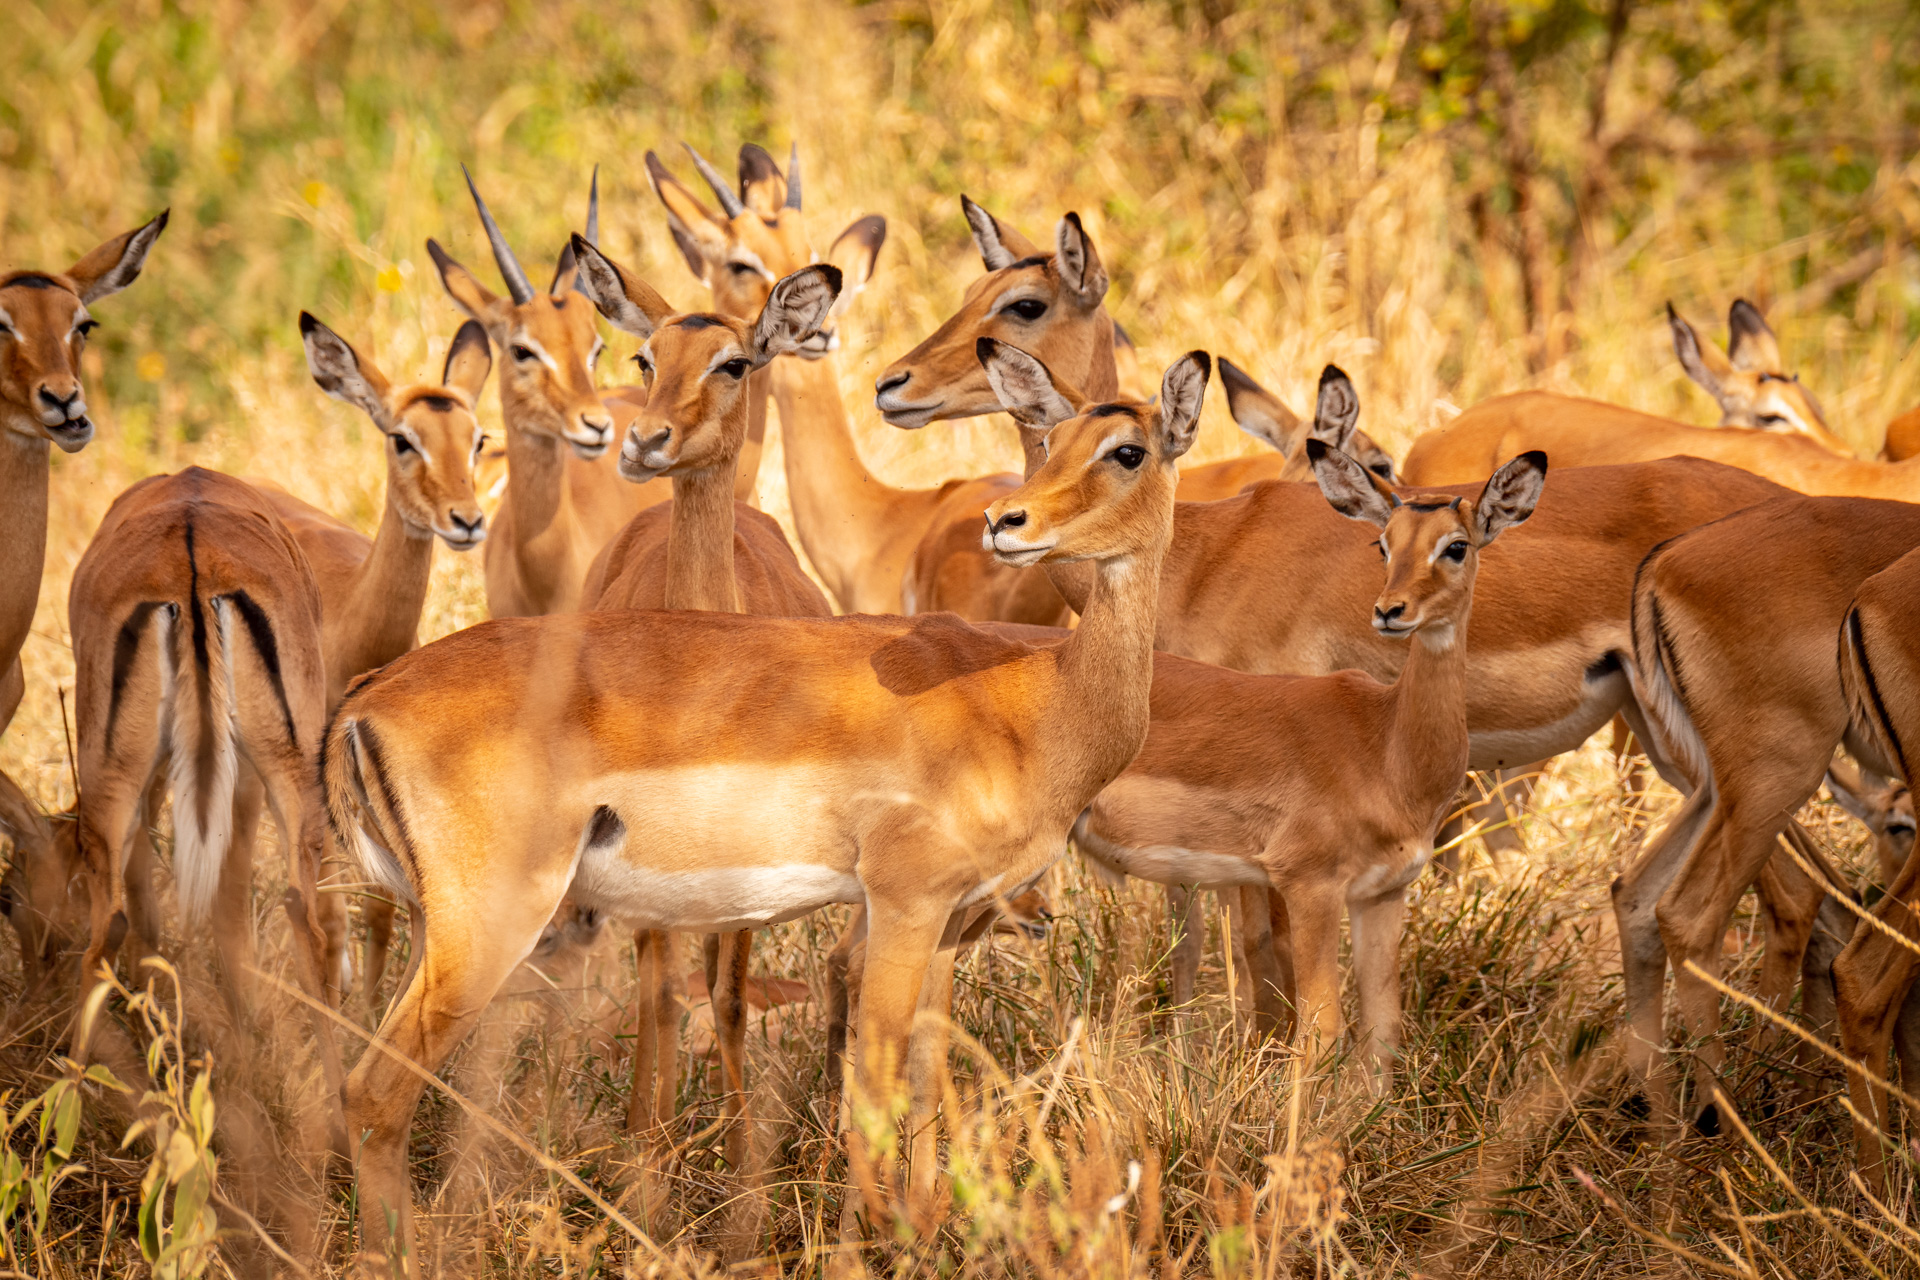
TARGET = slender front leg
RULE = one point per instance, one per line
(1263, 960)
(839, 1003)
(1873, 979)
(651, 1096)
(1314, 912)
(1377, 924)
(927, 1067)
(728, 989)
(1183, 963)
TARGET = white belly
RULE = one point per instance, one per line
(1169, 864)
(717, 900)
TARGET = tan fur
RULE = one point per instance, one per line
(1902, 438)
(914, 763)
(1734, 642)
(42, 403)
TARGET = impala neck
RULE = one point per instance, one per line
(381, 617)
(1106, 670)
(543, 516)
(1430, 704)
(1101, 378)
(23, 537)
(700, 540)
(839, 508)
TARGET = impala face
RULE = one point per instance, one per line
(696, 365)
(1045, 304)
(1106, 488)
(1749, 381)
(44, 323)
(759, 238)
(433, 438)
(1431, 544)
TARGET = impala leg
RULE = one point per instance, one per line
(232, 922)
(378, 914)
(839, 1003)
(901, 940)
(1376, 928)
(1314, 912)
(1630, 761)
(36, 884)
(727, 984)
(656, 1034)
(1263, 961)
(927, 1066)
(466, 957)
(1873, 978)
(109, 808)
(1643, 953)
(143, 905)
(1281, 924)
(1183, 964)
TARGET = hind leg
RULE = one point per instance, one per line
(727, 985)
(36, 886)
(653, 1089)
(233, 901)
(377, 912)
(1183, 965)
(839, 1002)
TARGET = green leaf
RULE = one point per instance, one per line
(151, 1222)
(66, 1123)
(188, 1201)
(99, 1073)
(201, 1107)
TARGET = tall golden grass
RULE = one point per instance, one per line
(1447, 200)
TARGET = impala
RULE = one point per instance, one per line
(1873, 976)
(44, 322)
(703, 771)
(1262, 415)
(1748, 717)
(196, 641)
(703, 550)
(564, 500)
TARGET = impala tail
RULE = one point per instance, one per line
(1658, 679)
(362, 807)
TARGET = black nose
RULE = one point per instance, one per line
(1389, 616)
(464, 525)
(1011, 520)
(885, 384)
(53, 401)
(656, 441)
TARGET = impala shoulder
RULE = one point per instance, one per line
(934, 649)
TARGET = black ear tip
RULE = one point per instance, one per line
(160, 223)
(986, 348)
(1074, 218)
(579, 244)
(308, 324)
(1317, 450)
(1673, 317)
(1537, 459)
(832, 275)
(1204, 361)
(1333, 373)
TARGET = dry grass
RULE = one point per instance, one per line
(1286, 186)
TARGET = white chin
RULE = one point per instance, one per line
(1022, 557)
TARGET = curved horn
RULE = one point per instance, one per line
(593, 209)
(517, 285)
(729, 202)
(793, 176)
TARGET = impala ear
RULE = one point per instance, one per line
(700, 235)
(1182, 389)
(1078, 262)
(629, 302)
(341, 373)
(1703, 363)
(1350, 488)
(855, 252)
(463, 286)
(1751, 346)
(796, 309)
(1025, 386)
(1510, 495)
(1255, 410)
(116, 264)
(469, 361)
(762, 186)
(999, 244)
(1336, 410)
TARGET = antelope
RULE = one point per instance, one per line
(1873, 976)
(372, 591)
(44, 323)
(1760, 405)
(703, 550)
(563, 500)
(1263, 415)
(196, 638)
(1747, 718)
(703, 771)
(1884, 807)
(1902, 439)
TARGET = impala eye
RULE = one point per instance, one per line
(401, 445)
(86, 327)
(1456, 551)
(523, 353)
(1129, 456)
(646, 365)
(479, 443)
(743, 268)
(1028, 308)
(736, 368)
(1384, 553)
(1772, 420)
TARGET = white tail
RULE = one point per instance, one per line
(198, 710)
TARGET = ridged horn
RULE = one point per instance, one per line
(729, 202)
(593, 209)
(517, 285)
(793, 176)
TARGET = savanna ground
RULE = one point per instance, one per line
(1449, 200)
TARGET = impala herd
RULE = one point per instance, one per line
(1268, 677)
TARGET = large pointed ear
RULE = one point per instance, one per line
(699, 233)
(625, 299)
(999, 244)
(1510, 495)
(762, 186)
(1078, 262)
(463, 286)
(469, 361)
(855, 252)
(1256, 410)
(1182, 390)
(116, 264)
(1026, 387)
(1751, 346)
(1703, 362)
(342, 374)
(1336, 410)
(1350, 488)
(796, 308)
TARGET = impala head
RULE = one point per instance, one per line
(1749, 380)
(1260, 414)
(432, 435)
(548, 341)
(1887, 809)
(1106, 488)
(695, 364)
(1431, 542)
(46, 903)
(1049, 304)
(44, 324)
(759, 238)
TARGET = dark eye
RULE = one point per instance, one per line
(1456, 552)
(478, 445)
(1772, 420)
(1384, 470)
(523, 353)
(401, 445)
(1028, 308)
(736, 368)
(646, 365)
(86, 327)
(1384, 553)
(743, 268)
(1129, 456)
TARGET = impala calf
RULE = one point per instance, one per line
(1262, 415)
(44, 323)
